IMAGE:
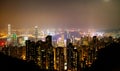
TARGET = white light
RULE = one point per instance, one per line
(65, 63)
(65, 67)
(36, 26)
(43, 50)
(26, 38)
(75, 48)
(9, 25)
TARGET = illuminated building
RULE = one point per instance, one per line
(41, 52)
(43, 58)
(49, 53)
(9, 29)
(61, 42)
(59, 54)
(30, 50)
(95, 46)
(14, 39)
(72, 57)
(36, 33)
(21, 40)
(9, 35)
(45, 54)
(75, 59)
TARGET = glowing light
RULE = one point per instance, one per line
(61, 42)
(2, 43)
(23, 57)
(100, 34)
(26, 38)
(36, 26)
(65, 66)
(75, 48)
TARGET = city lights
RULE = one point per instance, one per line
(59, 35)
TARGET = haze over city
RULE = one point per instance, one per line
(83, 14)
(59, 35)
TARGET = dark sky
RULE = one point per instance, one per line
(98, 14)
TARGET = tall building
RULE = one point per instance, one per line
(30, 50)
(45, 54)
(95, 46)
(59, 62)
(68, 35)
(9, 35)
(61, 42)
(75, 59)
(9, 29)
(41, 52)
(14, 39)
(36, 33)
(49, 53)
(72, 58)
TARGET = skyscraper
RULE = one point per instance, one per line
(45, 54)
(36, 33)
(72, 57)
(9, 35)
(49, 53)
(39, 53)
(9, 29)
(59, 54)
(70, 48)
(30, 50)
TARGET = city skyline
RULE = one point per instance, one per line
(60, 35)
(83, 14)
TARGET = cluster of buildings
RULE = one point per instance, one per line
(52, 58)
(69, 52)
(72, 57)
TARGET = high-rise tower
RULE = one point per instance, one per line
(9, 35)
(9, 29)
(36, 33)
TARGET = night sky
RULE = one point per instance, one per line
(84, 14)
